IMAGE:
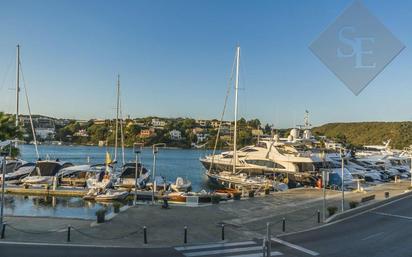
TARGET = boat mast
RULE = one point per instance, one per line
(236, 107)
(17, 88)
(117, 116)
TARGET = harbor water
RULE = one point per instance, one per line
(170, 163)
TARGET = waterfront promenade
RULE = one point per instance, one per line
(244, 220)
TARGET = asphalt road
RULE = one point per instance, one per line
(386, 231)
(35, 250)
(383, 232)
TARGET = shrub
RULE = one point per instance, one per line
(116, 207)
(353, 204)
(100, 214)
(332, 210)
(215, 199)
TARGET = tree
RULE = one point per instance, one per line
(254, 123)
(8, 129)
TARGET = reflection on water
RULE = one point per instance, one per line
(71, 207)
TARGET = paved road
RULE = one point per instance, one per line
(382, 232)
(36, 250)
(386, 231)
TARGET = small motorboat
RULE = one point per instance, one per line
(176, 197)
(45, 172)
(232, 193)
(111, 195)
(127, 177)
(21, 171)
(160, 183)
(91, 194)
(181, 185)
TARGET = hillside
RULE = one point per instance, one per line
(367, 133)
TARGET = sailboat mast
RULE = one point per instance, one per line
(17, 87)
(117, 116)
(236, 107)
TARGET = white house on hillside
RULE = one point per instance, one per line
(175, 135)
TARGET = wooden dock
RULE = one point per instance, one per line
(69, 192)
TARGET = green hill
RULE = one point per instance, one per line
(367, 133)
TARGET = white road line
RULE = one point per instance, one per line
(273, 253)
(222, 251)
(296, 247)
(392, 215)
(372, 236)
(206, 246)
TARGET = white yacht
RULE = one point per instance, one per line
(293, 158)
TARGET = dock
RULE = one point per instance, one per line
(69, 192)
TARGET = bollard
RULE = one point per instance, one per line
(185, 236)
(386, 194)
(269, 240)
(3, 231)
(284, 225)
(223, 232)
(144, 235)
(69, 228)
(318, 216)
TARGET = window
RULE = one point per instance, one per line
(265, 163)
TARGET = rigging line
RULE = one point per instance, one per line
(6, 74)
(121, 128)
(29, 110)
(223, 113)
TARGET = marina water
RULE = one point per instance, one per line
(170, 163)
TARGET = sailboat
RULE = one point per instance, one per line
(17, 169)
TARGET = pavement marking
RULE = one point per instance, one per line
(273, 253)
(372, 236)
(392, 215)
(198, 247)
(296, 247)
(223, 251)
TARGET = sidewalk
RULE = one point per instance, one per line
(244, 220)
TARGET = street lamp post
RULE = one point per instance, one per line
(155, 151)
(324, 174)
(3, 184)
(137, 149)
(342, 179)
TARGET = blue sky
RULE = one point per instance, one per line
(175, 56)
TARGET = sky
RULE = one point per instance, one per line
(174, 58)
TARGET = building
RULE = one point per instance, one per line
(45, 133)
(99, 122)
(145, 133)
(201, 137)
(257, 132)
(202, 123)
(197, 130)
(175, 135)
(81, 133)
(157, 123)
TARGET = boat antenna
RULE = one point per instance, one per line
(236, 108)
(30, 115)
(223, 113)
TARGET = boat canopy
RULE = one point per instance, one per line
(128, 170)
(50, 168)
